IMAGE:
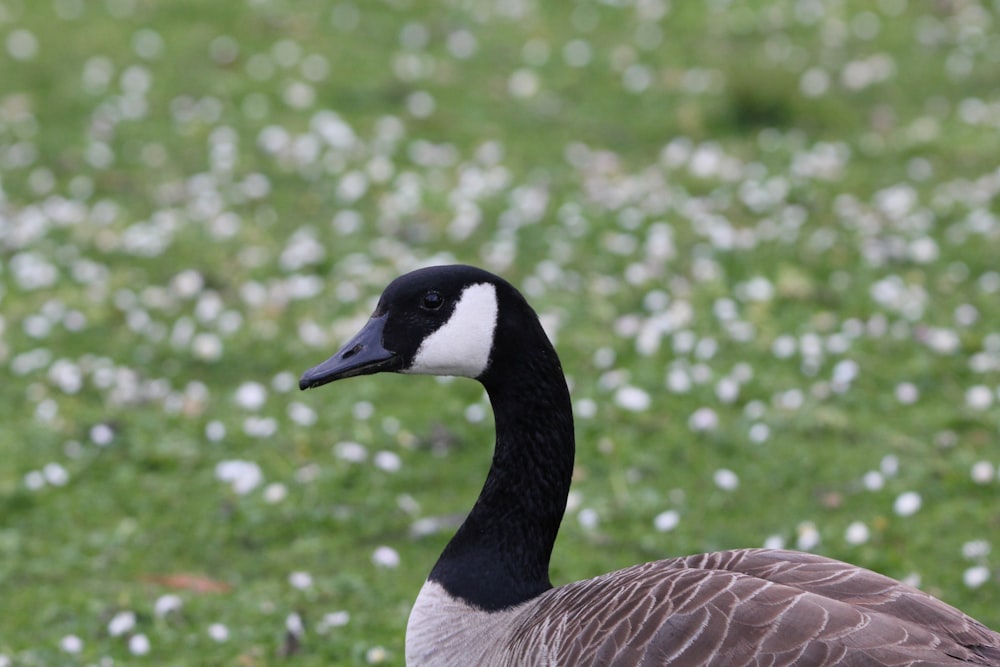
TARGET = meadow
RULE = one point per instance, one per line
(765, 237)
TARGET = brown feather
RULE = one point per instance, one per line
(746, 607)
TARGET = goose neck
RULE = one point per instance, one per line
(500, 555)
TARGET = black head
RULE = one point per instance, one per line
(436, 321)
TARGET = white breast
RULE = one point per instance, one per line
(446, 632)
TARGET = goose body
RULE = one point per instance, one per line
(488, 600)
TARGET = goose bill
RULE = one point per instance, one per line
(362, 355)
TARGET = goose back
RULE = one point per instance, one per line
(746, 607)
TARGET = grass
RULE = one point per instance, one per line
(744, 197)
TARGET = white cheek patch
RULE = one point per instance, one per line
(462, 345)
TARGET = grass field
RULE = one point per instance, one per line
(764, 236)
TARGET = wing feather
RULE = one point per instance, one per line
(746, 607)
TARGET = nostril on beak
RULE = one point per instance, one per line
(351, 352)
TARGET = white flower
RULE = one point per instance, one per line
(300, 580)
(907, 393)
(857, 533)
(243, 476)
(889, 465)
(206, 346)
(792, 399)
(22, 44)
(101, 434)
(982, 472)
(678, 380)
(873, 480)
(976, 576)
(334, 619)
(294, 625)
(301, 414)
(666, 521)
(187, 284)
(166, 604)
(260, 427)
(907, 503)
(34, 480)
(727, 390)
(388, 461)
(376, 655)
(275, 492)
(979, 397)
(218, 632)
(726, 479)
(976, 549)
(588, 518)
(632, 398)
(385, 557)
(138, 644)
(585, 408)
(71, 644)
(122, 622)
(845, 371)
(251, 395)
(352, 452)
(783, 346)
(759, 432)
(703, 419)
(808, 536)
(215, 430)
(774, 542)
(55, 474)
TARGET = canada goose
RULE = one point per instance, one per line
(488, 600)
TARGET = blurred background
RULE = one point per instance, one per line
(763, 235)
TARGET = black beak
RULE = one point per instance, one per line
(362, 355)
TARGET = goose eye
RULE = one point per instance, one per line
(432, 301)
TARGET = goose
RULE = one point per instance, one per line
(488, 600)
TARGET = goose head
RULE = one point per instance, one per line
(439, 320)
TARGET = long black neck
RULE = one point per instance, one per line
(500, 555)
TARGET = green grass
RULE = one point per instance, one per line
(120, 187)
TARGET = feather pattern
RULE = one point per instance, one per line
(744, 607)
